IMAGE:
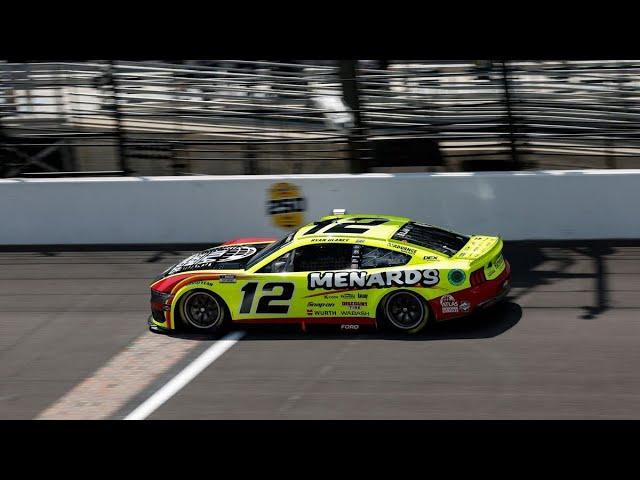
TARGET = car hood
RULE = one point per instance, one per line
(223, 257)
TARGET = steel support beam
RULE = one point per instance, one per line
(357, 137)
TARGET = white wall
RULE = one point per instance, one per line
(202, 209)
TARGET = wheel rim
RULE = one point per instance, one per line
(201, 310)
(404, 310)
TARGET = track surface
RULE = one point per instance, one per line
(564, 345)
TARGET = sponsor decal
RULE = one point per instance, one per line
(489, 270)
(493, 266)
(212, 256)
(449, 304)
(323, 313)
(286, 205)
(320, 304)
(430, 257)
(202, 282)
(350, 313)
(403, 248)
(465, 306)
(362, 279)
(456, 277)
(363, 295)
(227, 279)
(354, 304)
(349, 327)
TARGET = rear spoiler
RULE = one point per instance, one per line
(479, 250)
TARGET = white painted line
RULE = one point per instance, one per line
(190, 372)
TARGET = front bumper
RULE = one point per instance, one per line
(154, 327)
(160, 311)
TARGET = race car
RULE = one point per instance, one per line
(344, 270)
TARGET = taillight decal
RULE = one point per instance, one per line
(477, 277)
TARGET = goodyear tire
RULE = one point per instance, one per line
(405, 311)
(203, 311)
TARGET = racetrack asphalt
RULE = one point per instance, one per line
(563, 346)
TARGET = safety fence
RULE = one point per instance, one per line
(252, 117)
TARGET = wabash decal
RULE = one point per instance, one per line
(360, 279)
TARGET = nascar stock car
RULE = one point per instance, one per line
(346, 270)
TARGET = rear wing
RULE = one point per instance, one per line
(479, 250)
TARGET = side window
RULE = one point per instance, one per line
(279, 265)
(372, 257)
(322, 257)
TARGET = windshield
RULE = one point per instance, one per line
(269, 250)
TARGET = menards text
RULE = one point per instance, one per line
(355, 279)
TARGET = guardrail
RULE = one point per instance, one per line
(269, 117)
(588, 204)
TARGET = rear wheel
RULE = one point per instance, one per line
(202, 311)
(405, 311)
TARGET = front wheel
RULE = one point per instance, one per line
(405, 311)
(202, 311)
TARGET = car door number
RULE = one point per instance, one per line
(264, 303)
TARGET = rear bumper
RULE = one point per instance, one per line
(492, 291)
(469, 300)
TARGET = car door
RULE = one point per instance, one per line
(328, 259)
(280, 289)
(268, 293)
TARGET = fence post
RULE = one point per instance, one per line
(113, 84)
(3, 136)
(511, 125)
(3, 146)
(348, 72)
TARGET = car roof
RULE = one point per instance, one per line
(383, 231)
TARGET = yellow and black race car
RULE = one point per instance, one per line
(346, 270)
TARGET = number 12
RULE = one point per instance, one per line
(264, 305)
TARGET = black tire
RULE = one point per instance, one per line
(405, 311)
(203, 311)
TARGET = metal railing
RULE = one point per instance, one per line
(270, 117)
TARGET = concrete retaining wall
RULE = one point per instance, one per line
(589, 204)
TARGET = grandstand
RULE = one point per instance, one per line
(264, 117)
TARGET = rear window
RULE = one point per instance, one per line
(434, 238)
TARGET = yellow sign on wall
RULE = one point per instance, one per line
(286, 205)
